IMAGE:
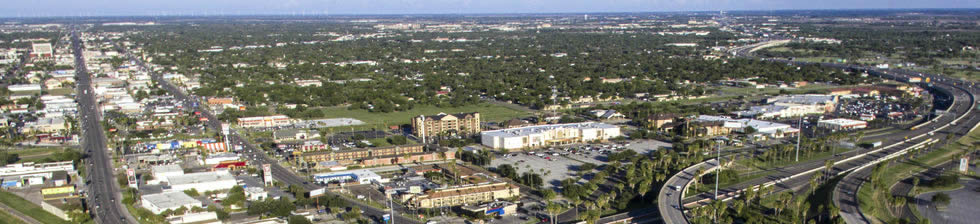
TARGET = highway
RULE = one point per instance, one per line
(256, 155)
(797, 176)
(102, 195)
(845, 194)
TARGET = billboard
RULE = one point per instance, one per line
(131, 176)
(267, 173)
(964, 164)
(317, 192)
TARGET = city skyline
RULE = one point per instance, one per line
(60, 8)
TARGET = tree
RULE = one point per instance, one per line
(940, 200)
(553, 209)
(548, 194)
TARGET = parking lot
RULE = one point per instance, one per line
(558, 163)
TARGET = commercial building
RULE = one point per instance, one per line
(426, 127)
(157, 203)
(839, 124)
(362, 176)
(350, 155)
(828, 101)
(195, 218)
(204, 181)
(44, 170)
(295, 134)
(221, 157)
(162, 173)
(264, 121)
(499, 208)
(782, 110)
(762, 128)
(41, 50)
(545, 135)
(465, 195)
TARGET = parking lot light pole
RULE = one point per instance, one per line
(799, 137)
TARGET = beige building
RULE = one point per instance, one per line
(468, 195)
(452, 124)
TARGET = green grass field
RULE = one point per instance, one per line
(36, 154)
(488, 112)
(10, 219)
(28, 208)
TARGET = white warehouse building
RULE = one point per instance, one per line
(157, 203)
(204, 181)
(545, 135)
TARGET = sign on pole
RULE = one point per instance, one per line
(131, 176)
(267, 173)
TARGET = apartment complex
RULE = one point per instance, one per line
(264, 121)
(452, 124)
(545, 135)
(375, 156)
(465, 195)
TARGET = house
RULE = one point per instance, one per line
(607, 114)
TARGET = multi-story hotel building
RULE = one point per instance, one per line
(452, 124)
(465, 195)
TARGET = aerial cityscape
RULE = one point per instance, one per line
(432, 112)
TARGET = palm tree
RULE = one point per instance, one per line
(553, 209)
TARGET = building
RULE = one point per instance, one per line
(255, 194)
(157, 203)
(220, 101)
(757, 127)
(31, 169)
(362, 176)
(161, 173)
(446, 124)
(295, 134)
(607, 114)
(782, 110)
(195, 218)
(42, 50)
(841, 124)
(807, 99)
(545, 135)
(375, 156)
(204, 181)
(221, 157)
(465, 195)
(264, 121)
(47, 125)
(499, 208)
(657, 121)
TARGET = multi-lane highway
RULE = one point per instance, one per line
(255, 155)
(103, 192)
(797, 176)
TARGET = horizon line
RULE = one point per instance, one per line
(321, 14)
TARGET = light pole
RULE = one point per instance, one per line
(799, 137)
(717, 168)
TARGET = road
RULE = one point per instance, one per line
(103, 192)
(797, 176)
(672, 193)
(256, 155)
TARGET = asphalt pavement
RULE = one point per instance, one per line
(103, 193)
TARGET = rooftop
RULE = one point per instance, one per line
(170, 199)
(529, 130)
(204, 177)
(169, 168)
(804, 99)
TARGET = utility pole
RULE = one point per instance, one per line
(718, 168)
(799, 137)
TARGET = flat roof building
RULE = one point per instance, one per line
(841, 124)
(204, 181)
(465, 195)
(157, 203)
(362, 176)
(161, 173)
(545, 135)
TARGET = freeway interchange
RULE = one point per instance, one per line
(958, 120)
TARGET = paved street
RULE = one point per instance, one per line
(103, 192)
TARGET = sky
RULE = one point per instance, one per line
(36, 8)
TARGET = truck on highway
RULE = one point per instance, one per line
(876, 144)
